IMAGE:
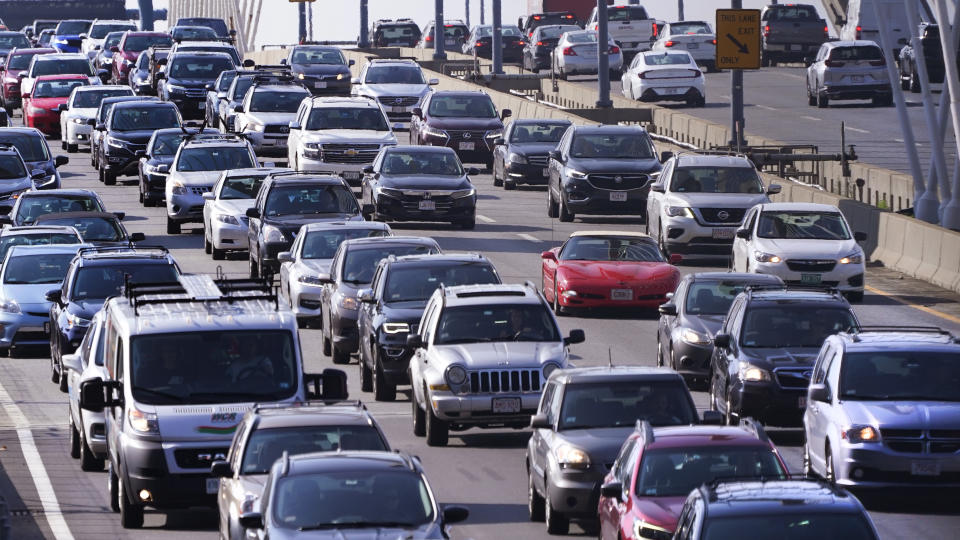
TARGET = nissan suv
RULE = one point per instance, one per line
(397, 84)
(481, 357)
(463, 120)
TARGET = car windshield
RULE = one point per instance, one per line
(99, 31)
(34, 239)
(713, 297)
(803, 225)
(267, 445)
(537, 133)
(478, 106)
(241, 187)
(140, 119)
(200, 68)
(675, 472)
(32, 146)
(20, 61)
(612, 146)
(793, 326)
(36, 269)
(716, 180)
(61, 66)
(92, 229)
(194, 33)
(400, 163)
(622, 403)
(278, 102)
(226, 78)
(11, 167)
(66, 28)
(142, 43)
(611, 248)
(505, 31)
(856, 53)
(166, 144)
(323, 244)
(217, 158)
(347, 118)
(33, 207)
(667, 59)
(417, 283)
(10, 40)
(299, 200)
(102, 281)
(57, 88)
(359, 264)
(690, 28)
(900, 375)
(626, 13)
(44, 39)
(217, 25)
(219, 366)
(496, 322)
(340, 499)
(790, 526)
(395, 75)
(304, 55)
(91, 99)
(554, 32)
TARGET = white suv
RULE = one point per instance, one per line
(338, 136)
(802, 243)
(266, 112)
(398, 84)
(482, 357)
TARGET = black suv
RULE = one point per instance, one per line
(394, 33)
(551, 18)
(462, 120)
(803, 508)
(125, 134)
(521, 155)
(417, 183)
(96, 274)
(322, 69)
(287, 201)
(101, 118)
(187, 76)
(601, 170)
(391, 308)
(35, 151)
(160, 150)
(764, 353)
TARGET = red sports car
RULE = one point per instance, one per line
(642, 496)
(607, 269)
(41, 108)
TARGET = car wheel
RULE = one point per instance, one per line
(74, 438)
(509, 185)
(93, 158)
(218, 254)
(904, 83)
(88, 460)
(811, 99)
(807, 467)
(497, 182)
(254, 269)
(173, 227)
(914, 82)
(535, 503)
(339, 357)
(109, 178)
(54, 357)
(437, 430)
(662, 243)
(131, 515)
(366, 375)
(99, 172)
(113, 486)
(419, 418)
(557, 523)
(63, 379)
(72, 148)
(831, 473)
(659, 350)
(552, 210)
(713, 394)
(557, 308)
(382, 390)
(855, 297)
(207, 247)
(728, 410)
(565, 215)
(822, 100)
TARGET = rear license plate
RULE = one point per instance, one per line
(213, 484)
(925, 468)
(857, 78)
(506, 405)
(796, 47)
(428, 205)
(351, 176)
(467, 146)
(320, 84)
(724, 234)
(802, 403)
(449, 42)
(671, 91)
(693, 46)
(618, 196)
(621, 294)
(546, 173)
(812, 279)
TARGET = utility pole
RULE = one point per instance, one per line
(439, 53)
(364, 40)
(483, 10)
(951, 212)
(737, 120)
(146, 14)
(497, 45)
(302, 8)
(603, 56)
(680, 16)
(467, 10)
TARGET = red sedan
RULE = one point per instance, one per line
(41, 108)
(607, 269)
(131, 45)
(17, 62)
(642, 496)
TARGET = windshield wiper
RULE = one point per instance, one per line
(465, 340)
(159, 393)
(357, 525)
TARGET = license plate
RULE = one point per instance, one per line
(618, 196)
(925, 468)
(351, 176)
(670, 91)
(796, 47)
(428, 205)
(202, 106)
(724, 234)
(621, 294)
(320, 84)
(812, 279)
(398, 109)
(693, 46)
(858, 78)
(449, 42)
(802, 402)
(213, 484)
(467, 146)
(506, 405)
(546, 173)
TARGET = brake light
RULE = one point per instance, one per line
(479, 44)
(536, 17)
(539, 44)
(568, 51)
(826, 30)
(859, 31)
(833, 63)
(568, 16)
(530, 35)
(713, 41)
(655, 30)
(521, 43)
(429, 38)
(696, 73)
(766, 30)
(614, 49)
(669, 43)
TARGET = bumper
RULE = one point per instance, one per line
(672, 92)
(687, 236)
(77, 133)
(146, 465)
(692, 359)
(305, 300)
(860, 91)
(874, 465)
(769, 403)
(575, 493)
(476, 410)
(482, 152)
(845, 277)
(272, 144)
(11, 95)
(185, 208)
(351, 172)
(452, 210)
(47, 124)
(790, 51)
(24, 330)
(525, 173)
(226, 236)
(121, 162)
(582, 198)
(596, 297)
(344, 330)
(394, 359)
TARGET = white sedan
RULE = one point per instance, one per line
(664, 76)
(695, 37)
(576, 54)
(225, 210)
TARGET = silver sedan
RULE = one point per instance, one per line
(576, 54)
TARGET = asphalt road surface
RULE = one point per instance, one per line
(480, 469)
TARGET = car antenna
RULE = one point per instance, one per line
(609, 357)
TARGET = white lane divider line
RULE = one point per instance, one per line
(858, 130)
(485, 219)
(814, 118)
(766, 108)
(529, 237)
(48, 497)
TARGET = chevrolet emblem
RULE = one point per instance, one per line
(351, 152)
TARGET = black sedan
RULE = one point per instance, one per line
(102, 229)
(521, 155)
(417, 183)
(480, 42)
(321, 69)
(536, 53)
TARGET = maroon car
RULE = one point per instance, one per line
(17, 62)
(131, 45)
(465, 121)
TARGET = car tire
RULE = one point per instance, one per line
(109, 178)
(904, 83)
(558, 310)
(915, 86)
(662, 243)
(509, 185)
(535, 502)
(113, 486)
(54, 374)
(93, 158)
(254, 270)
(806, 466)
(557, 522)
(131, 515)
(173, 227)
(822, 100)
(339, 357)
(74, 438)
(728, 410)
(830, 474)
(88, 460)
(419, 418)
(99, 172)
(207, 247)
(497, 182)
(218, 254)
(437, 430)
(552, 208)
(382, 390)
(468, 224)
(62, 383)
(366, 375)
(811, 99)
(72, 148)
(565, 215)
(659, 350)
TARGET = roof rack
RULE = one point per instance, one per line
(646, 432)
(285, 460)
(88, 251)
(936, 330)
(751, 425)
(199, 288)
(374, 59)
(271, 67)
(308, 403)
(730, 153)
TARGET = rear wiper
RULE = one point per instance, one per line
(357, 525)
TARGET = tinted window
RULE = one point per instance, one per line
(72, 27)
(241, 187)
(690, 28)
(91, 229)
(197, 68)
(225, 81)
(900, 376)
(417, 283)
(57, 88)
(68, 66)
(856, 53)
(137, 119)
(11, 167)
(615, 404)
(20, 61)
(793, 13)
(623, 13)
(194, 33)
(215, 159)
(613, 146)
(99, 31)
(266, 446)
(438, 163)
(712, 297)
(142, 43)
(36, 269)
(803, 226)
(35, 239)
(791, 526)
(554, 32)
(793, 326)
(324, 244)
(281, 102)
(538, 133)
(240, 89)
(675, 472)
(478, 106)
(716, 180)
(667, 59)
(11, 40)
(287, 200)
(32, 147)
(360, 264)
(100, 282)
(611, 248)
(395, 75)
(347, 118)
(303, 55)
(91, 99)
(501, 322)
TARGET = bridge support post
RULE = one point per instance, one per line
(737, 121)
(439, 53)
(302, 10)
(364, 40)
(496, 48)
(951, 212)
(603, 56)
(146, 14)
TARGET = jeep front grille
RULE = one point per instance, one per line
(505, 381)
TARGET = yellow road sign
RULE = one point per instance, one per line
(738, 38)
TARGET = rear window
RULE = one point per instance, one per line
(91, 99)
(690, 28)
(856, 53)
(142, 43)
(793, 13)
(554, 32)
(20, 61)
(99, 31)
(626, 13)
(399, 31)
(66, 28)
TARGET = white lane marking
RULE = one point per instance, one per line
(529, 237)
(858, 130)
(814, 118)
(485, 219)
(48, 498)
(793, 76)
(899, 140)
(764, 107)
(725, 96)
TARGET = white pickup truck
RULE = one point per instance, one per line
(630, 27)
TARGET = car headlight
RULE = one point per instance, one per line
(549, 368)
(750, 372)
(176, 89)
(226, 218)
(272, 234)
(766, 257)
(152, 170)
(144, 422)
(78, 120)
(348, 302)
(116, 143)
(571, 457)
(460, 194)
(311, 150)
(389, 192)
(861, 434)
(178, 188)
(695, 338)
(517, 158)
(577, 175)
(679, 211)
(494, 133)
(642, 529)
(455, 375)
(340, 76)
(9, 306)
(75, 320)
(854, 258)
(300, 76)
(255, 127)
(434, 132)
(310, 280)
(396, 328)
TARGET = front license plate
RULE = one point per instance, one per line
(925, 468)
(202, 106)
(506, 405)
(213, 484)
(812, 279)
(618, 196)
(802, 402)
(398, 109)
(320, 84)
(621, 294)
(724, 234)
(351, 176)
(796, 47)
(467, 146)
(546, 173)
(693, 46)
(428, 205)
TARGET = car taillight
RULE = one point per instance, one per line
(669, 43)
(859, 31)
(655, 29)
(826, 30)
(568, 51)
(642, 75)
(521, 43)
(614, 49)
(479, 44)
(694, 73)
(766, 30)
(713, 41)
(429, 38)
(539, 44)
(530, 35)
(833, 63)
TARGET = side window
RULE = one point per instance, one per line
(731, 315)
(547, 397)
(823, 363)
(678, 295)
(751, 220)
(86, 347)
(425, 323)
(833, 369)
(736, 322)
(236, 449)
(554, 412)
(119, 353)
(261, 197)
(111, 351)
(623, 458)
(683, 524)
(664, 179)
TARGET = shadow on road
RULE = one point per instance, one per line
(923, 501)
(493, 439)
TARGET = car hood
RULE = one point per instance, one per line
(31, 297)
(903, 414)
(532, 148)
(85, 308)
(408, 312)
(591, 165)
(425, 182)
(465, 123)
(705, 324)
(48, 102)
(397, 90)
(428, 530)
(782, 357)
(716, 200)
(10, 186)
(661, 511)
(351, 136)
(236, 207)
(272, 118)
(603, 444)
(197, 178)
(214, 425)
(80, 113)
(618, 271)
(505, 354)
(320, 69)
(807, 249)
(135, 137)
(317, 266)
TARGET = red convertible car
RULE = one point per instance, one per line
(41, 108)
(597, 269)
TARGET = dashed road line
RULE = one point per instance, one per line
(858, 130)
(814, 118)
(485, 219)
(529, 237)
(766, 108)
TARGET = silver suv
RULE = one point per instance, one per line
(482, 357)
(699, 201)
(849, 70)
(397, 84)
(883, 409)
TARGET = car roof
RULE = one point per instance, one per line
(281, 88)
(633, 234)
(461, 93)
(22, 130)
(73, 215)
(354, 460)
(490, 294)
(734, 276)
(361, 243)
(899, 338)
(46, 249)
(704, 435)
(693, 159)
(418, 148)
(145, 103)
(340, 101)
(540, 121)
(60, 191)
(305, 178)
(606, 374)
(852, 43)
(26, 230)
(799, 207)
(581, 129)
(436, 258)
(141, 254)
(35, 50)
(352, 413)
(787, 294)
(233, 173)
(62, 77)
(780, 496)
(345, 226)
(101, 87)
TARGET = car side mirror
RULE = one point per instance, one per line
(414, 341)
(548, 256)
(208, 86)
(668, 309)
(366, 296)
(351, 63)
(506, 113)
(221, 469)
(248, 63)
(60, 160)
(253, 212)
(120, 215)
(54, 296)
(91, 395)
(498, 141)
(540, 421)
(238, 108)
(819, 392)
(665, 155)
(368, 169)
(91, 121)
(555, 154)
(612, 490)
(454, 514)
(355, 80)
(418, 112)
(293, 125)
(434, 82)
(774, 189)
(721, 340)
(164, 168)
(283, 61)
(62, 107)
(25, 95)
(137, 237)
(114, 49)
(712, 418)
(473, 171)
(160, 76)
(324, 278)
(104, 76)
(284, 256)
(368, 210)
(576, 336)
(100, 127)
(329, 385)
(658, 188)
(71, 362)
(208, 196)
(860, 236)
(743, 233)
(251, 520)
